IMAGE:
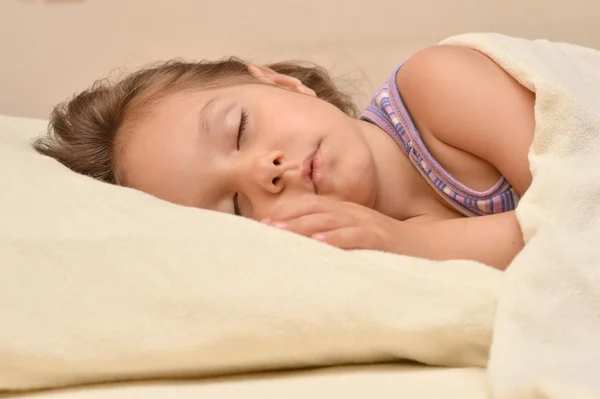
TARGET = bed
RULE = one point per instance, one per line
(381, 381)
(112, 300)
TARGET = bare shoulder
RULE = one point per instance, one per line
(447, 61)
(464, 99)
(436, 74)
(445, 81)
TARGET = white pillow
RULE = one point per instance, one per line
(102, 283)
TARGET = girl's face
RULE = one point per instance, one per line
(248, 148)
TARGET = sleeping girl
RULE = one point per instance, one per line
(433, 167)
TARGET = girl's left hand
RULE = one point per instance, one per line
(343, 224)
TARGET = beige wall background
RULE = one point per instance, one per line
(51, 49)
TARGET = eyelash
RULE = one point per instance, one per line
(243, 123)
(236, 205)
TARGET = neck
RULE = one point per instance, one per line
(403, 193)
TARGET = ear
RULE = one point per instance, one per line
(267, 75)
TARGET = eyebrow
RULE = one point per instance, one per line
(207, 113)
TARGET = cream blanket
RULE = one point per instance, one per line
(547, 331)
(99, 283)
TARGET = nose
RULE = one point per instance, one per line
(269, 170)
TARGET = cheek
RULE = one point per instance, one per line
(304, 118)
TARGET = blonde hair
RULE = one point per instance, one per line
(84, 132)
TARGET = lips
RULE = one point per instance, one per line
(312, 169)
(317, 169)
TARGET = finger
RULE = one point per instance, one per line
(351, 237)
(304, 205)
(314, 223)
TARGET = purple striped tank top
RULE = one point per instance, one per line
(389, 113)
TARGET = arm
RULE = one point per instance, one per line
(494, 240)
(461, 98)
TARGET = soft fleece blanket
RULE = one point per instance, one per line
(546, 341)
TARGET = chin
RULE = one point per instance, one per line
(362, 194)
(362, 188)
(366, 199)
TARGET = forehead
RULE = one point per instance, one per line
(168, 120)
(178, 112)
(173, 108)
(161, 146)
(178, 105)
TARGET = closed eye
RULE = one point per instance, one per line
(236, 205)
(242, 128)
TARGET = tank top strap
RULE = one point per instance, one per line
(387, 110)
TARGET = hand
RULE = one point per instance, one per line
(343, 224)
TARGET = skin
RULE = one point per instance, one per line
(474, 118)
